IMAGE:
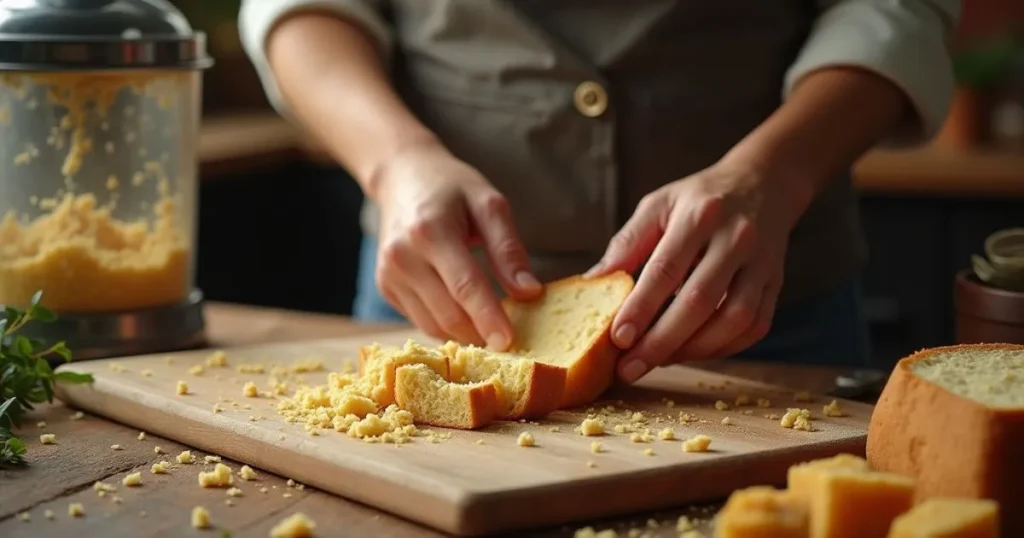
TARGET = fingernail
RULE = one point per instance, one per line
(497, 341)
(625, 334)
(633, 370)
(525, 280)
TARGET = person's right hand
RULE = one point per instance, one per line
(434, 208)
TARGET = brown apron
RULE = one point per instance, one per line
(575, 109)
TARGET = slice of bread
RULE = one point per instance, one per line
(433, 400)
(949, 518)
(527, 388)
(953, 419)
(378, 365)
(570, 326)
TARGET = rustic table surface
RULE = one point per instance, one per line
(65, 473)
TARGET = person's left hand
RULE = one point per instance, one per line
(717, 240)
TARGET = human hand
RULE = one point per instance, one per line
(434, 208)
(717, 240)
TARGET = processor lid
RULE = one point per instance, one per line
(46, 35)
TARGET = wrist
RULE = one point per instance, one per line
(785, 180)
(378, 178)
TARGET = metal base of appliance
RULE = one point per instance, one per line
(119, 334)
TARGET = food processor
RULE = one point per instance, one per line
(100, 107)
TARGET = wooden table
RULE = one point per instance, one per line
(64, 473)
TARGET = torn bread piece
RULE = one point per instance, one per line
(433, 400)
(377, 366)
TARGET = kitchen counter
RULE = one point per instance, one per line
(239, 143)
(65, 473)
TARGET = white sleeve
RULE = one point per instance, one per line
(257, 18)
(905, 41)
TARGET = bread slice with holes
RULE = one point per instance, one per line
(435, 401)
(569, 326)
(953, 418)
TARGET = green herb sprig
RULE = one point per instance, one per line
(26, 377)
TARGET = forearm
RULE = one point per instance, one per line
(832, 117)
(335, 83)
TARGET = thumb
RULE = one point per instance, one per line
(505, 251)
(633, 244)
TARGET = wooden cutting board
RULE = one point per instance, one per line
(478, 482)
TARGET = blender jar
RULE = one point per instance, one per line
(100, 105)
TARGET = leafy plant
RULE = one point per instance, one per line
(984, 64)
(26, 377)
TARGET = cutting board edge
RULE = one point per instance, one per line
(443, 512)
(491, 513)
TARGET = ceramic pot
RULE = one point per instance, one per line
(985, 314)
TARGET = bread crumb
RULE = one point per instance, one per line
(700, 443)
(184, 457)
(116, 499)
(76, 510)
(589, 532)
(591, 464)
(726, 421)
(638, 417)
(77, 415)
(803, 423)
(764, 402)
(158, 450)
(229, 502)
(833, 410)
(200, 518)
(116, 447)
(160, 467)
(196, 370)
(142, 436)
(48, 438)
(684, 524)
(526, 439)
(246, 473)
(691, 534)
(41, 424)
(620, 428)
(217, 359)
(479, 441)
(742, 399)
(103, 487)
(554, 429)
(249, 390)
(687, 417)
(591, 426)
(648, 451)
(234, 492)
(132, 480)
(296, 525)
(287, 495)
(25, 516)
(670, 403)
(721, 406)
(211, 459)
(217, 408)
(48, 514)
(596, 447)
(250, 368)
(147, 373)
(789, 419)
(182, 388)
(290, 483)
(219, 477)
(803, 396)
(667, 434)
(116, 367)
(264, 489)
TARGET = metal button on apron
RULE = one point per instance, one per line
(591, 99)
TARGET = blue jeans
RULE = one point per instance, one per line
(829, 329)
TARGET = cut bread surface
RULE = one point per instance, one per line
(433, 400)
(990, 375)
(377, 367)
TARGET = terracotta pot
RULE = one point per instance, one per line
(965, 124)
(985, 314)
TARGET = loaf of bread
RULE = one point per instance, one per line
(953, 419)
(570, 326)
(949, 518)
(762, 512)
(433, 400)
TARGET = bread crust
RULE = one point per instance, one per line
(951, 445)
(386, 396)
(594, 372)
(484, 407)
(547, 384)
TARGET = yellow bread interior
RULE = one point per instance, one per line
(990, 375)
(377, 367)
(949, 518)
(433, 400)
(762, 512)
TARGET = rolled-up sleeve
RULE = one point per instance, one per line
(257, 18)
(905, 41)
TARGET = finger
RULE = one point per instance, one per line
(692, 307)
(505, 250)
(632, 244)
(672, 259)
(468, 285)
(417, 312)
(450, 318)
(733, 319)
(759, 329)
